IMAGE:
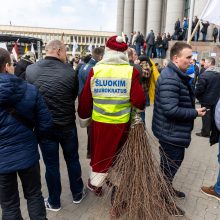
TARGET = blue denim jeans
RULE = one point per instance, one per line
(171, 158)
(159, 50)
(138, 49)
(149, 50)
(50, 151)
(204, 36)
(196, 36)
(217, 185)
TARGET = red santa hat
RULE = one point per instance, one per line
(117, 43)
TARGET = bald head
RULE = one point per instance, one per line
(56, 48)
(132, 55)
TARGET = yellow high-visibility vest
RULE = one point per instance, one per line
(110, 86)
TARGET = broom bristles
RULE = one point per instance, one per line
(141, 190)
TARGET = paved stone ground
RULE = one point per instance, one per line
(199, 168)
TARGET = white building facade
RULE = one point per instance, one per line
(157, 15)
(82, 38)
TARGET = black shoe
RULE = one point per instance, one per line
(179, 194)
(178, 212)
(79, 197)
(200, 135)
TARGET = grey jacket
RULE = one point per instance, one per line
(150, 39)
(217, 115)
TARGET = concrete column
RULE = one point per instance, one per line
(154, 12)
(175, 10)
(128, 16)
(120, 17)
(140, 7)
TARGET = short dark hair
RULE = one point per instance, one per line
(211, 60)
(4, 58)
(145, 58)
(97, 52)
(177, 48)
(87, 58)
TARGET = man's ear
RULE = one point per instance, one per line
(175, 60)
(7, 66)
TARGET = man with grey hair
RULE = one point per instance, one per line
(208, 92)
(58, 83)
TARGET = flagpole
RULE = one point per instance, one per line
(192, 4)
(194, 31)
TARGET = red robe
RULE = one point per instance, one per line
(106, 139)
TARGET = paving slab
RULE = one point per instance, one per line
(200, 167)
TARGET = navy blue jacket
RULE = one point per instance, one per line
(18, 144)
(84, 72)
(174, 111)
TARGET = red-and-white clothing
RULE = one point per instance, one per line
(106, 139)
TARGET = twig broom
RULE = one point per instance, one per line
(139, 189)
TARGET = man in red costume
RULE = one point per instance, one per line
(111, 89)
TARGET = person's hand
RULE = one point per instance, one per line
(201, 111)
(137, 61)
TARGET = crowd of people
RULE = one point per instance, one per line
(37, 106)
(153, 47)
(157, 46)
(181, 30)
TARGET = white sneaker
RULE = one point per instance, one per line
(49, 207)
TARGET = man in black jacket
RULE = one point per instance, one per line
(58, 83)
(208, 92)
(174, 112)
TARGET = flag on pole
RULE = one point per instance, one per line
(75, 46)
(32, 48)
(123, 36)
(211, 12)
(15, 51)
(62, 38)
(3, 45)
(90, 47)
(26, 48)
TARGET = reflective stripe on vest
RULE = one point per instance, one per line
(110, 86)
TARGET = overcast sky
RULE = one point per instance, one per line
(99, 15)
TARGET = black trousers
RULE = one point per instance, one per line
(9, 195)
(206, 121)
(171, 158)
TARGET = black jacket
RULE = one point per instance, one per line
(20, 69)
(58, 84)
(208, 86)
(174, 111)
(204, 27)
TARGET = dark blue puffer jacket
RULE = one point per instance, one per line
(174, 111)
(18, 144)
(84, 72)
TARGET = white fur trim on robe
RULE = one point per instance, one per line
(114, 57)
(97, 179)
(84, 122)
